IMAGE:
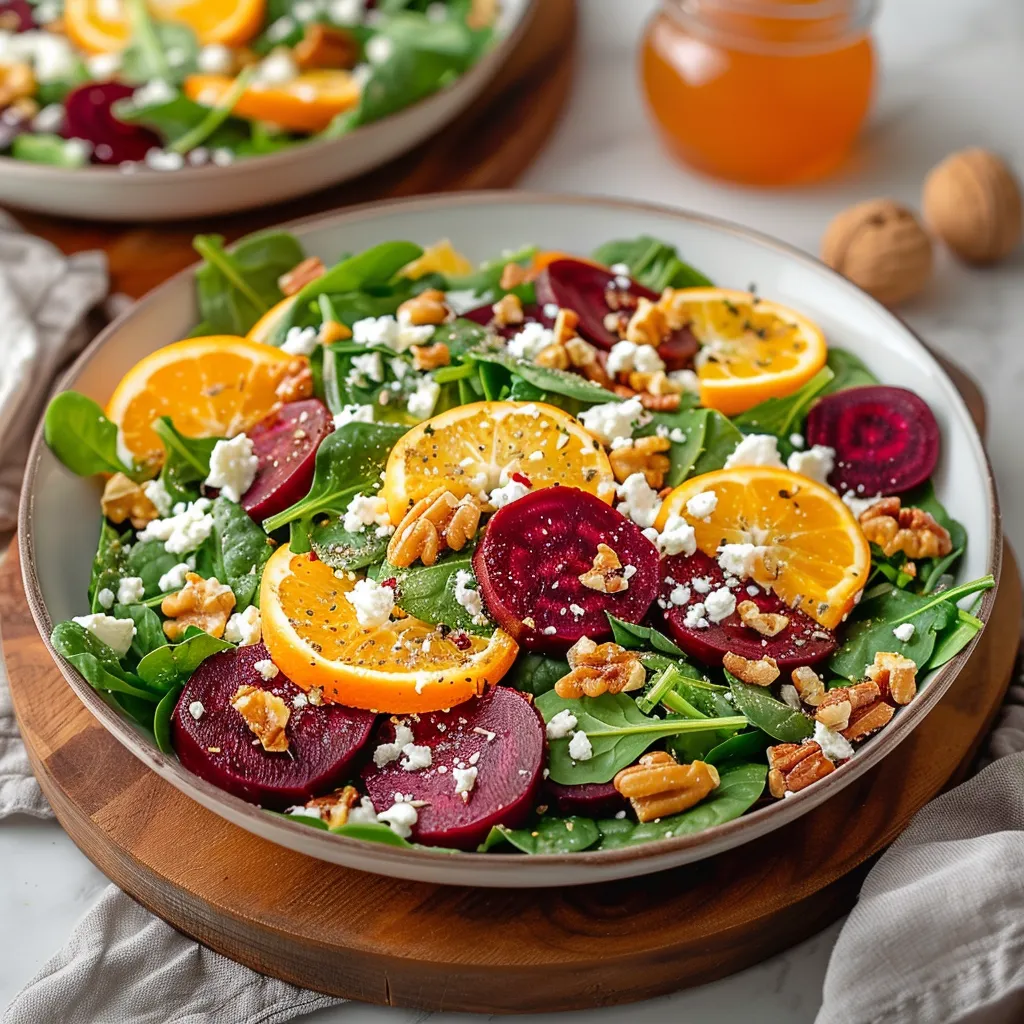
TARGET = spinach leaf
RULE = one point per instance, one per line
(243, 550)
(427, 592)
(553, 835)
(766, 713)
(485, 281)
(546, 378)
(186, 459)
(348, 462)
(744, 746)
(651, 262)
(149, 631)
(337, 547)
(964, 628)
(848, 370)
(618, 732)
(162, 715)
(783, 416)
(461, 337)
(370, 833)
(179, 117)
(634, 636)
(108, 564)
(81, 436)
(536, 673)
(44, 148)
(167, 50)
(171, 666)
(931, 570)
(97, 663)
(686, 433)
(149, 560)
(720, 440)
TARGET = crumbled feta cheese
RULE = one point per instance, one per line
(702, 584)
(300, 341)
(373, 603)
(215, 59)
(163, 159)
(277, 68)
(904, 632)
(369, 364)
(174, 578)
(49, 120)
(105, 599)
(388, 752)
(720, 604)
(858, 506)
(353, 414)
(416, 757)
(639, 501)
(233, 467)
(366, 510)
(379, 49)
(185, 530)
(465, 780)
(391, 333)
(362, 813)
(797, 440)
(740, 560)
(816, 463)
(154, 93)
(400, 817)
(834, 745)
(130, 590)
(469, 597)
(695, 617)
(700, 506)
(103, 65)
(625, 357)
(578, 610)
(679, 595)
(422, 401)
(267, 669)
(677, 538)
(789, 696)
(687, 380)
(530, 341)
(50, 53)
(115, 633)
(244, 628)
(756, 450)
(512, 491)
(280, 29)
(157, 494)
(580, 747)
(614, 419)
(196, 709)
(561, 725)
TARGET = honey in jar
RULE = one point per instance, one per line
(762, 92)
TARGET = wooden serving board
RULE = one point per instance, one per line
(489, 146)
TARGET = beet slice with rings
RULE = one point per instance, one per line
(886, 439)
(587, 800)
(802, 642)
(594, 292)
(531, 557)
(286, 445)
(532, 314)
(88, 115)
(324, 742)
(500, 734)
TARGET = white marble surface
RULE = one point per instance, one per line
(953, 76)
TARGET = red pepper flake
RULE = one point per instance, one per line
(521, 478)
(391, 582)
(313, 557)
(461, 640)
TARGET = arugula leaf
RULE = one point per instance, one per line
(764, 712)
(653, 263)
(744, 746)
(552, 835)
(546, 378)
(634, 636)
(536, 673)
(172, 665)
(243, 550)
(618, 732)
(108, 564)
(720, 440)
(80, 435)
(782, 416)
(337, 547)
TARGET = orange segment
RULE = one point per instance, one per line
(402, 667)
(473, 449)
(751, 349)
(308, 103)
(210, 387)
(813, 552)
(440, 258)
(263, 329)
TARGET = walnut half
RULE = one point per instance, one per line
(265, 714)
(607, 575)
(438, 521)
(600, 668)
(125, 499)
(762, 672)
(204, 603)
(910, 530)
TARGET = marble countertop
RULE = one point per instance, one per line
(953, 76)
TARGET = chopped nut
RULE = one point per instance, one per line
(565, 325)
(125, 499)
(794, 766)
(868, 720)
(333, 808)
(428, 307)
(204, 603)
(658, 786)
(765, 623)
(658, 383)
(507, 310)
(910, 530)
(323, 46)
(583, 357)
(331, 331)
(430, 357)
(762, 672)
(894, 675)
(512, 276)
(648, 325)
(482, 14)
(835, 715)
(860, 695)
(607, 575)
(553, 356)
(16, 81)
(266, 714)
(438, 521)
(600, 668)
(296, 383)
(645, 455)
(300, 275)
(809, 685)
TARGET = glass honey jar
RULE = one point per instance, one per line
(762, 92)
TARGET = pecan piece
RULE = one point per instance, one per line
(838, 705)
(583, 357)
(607, 575)
(565, 325)
(508, 310)
(895, 676)
(794, 766)
(765, 623)
(910, 530)
(17, 82)
(644, 455)
(265, 714)
(512, 276)
(323, 46)
(300, 275)
(808, 685)
(658, 786)
(868, 720)
(438, 521)
(296, 383)
(600, 668)
(430, 357)
(125, 499)
(762, 672)
(553, 356)
(429, 307)
(204, 603)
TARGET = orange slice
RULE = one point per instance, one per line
(404, 666)
(812, 552)
(263, 329)
(308, 103)
(100, 26)
(210, 387)
(543, 260)
(751, 349)
(440, 258)
(473, 449)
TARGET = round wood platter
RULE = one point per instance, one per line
(489, 146)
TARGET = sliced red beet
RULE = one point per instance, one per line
(886, 439)
(323, 742)
(531, 557)
(286, 445)
(88, 115)
(16, 16)
(802, 642)
(532, 314)
(587, 800)
(594, 292)
(501, 734)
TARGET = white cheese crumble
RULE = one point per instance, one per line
(388, 752)
(465, 780)
(215, 59)
(702, 584)
(614, 419)
(815, 463)
(834, 745)
(422, 401)
(904, 632)
(580, 747)
(115, 633)
(366, 510)
(353, 414)
(512, 491)
(379, 49)
(373, 603)
(244, 628)
(106, 598)
(363, 813)
(196, 709)
(638, 500)
(157, 494)
(163, 159)
(686, 379)
(174, 578)
(300, 341)
(530, 341)
(756, 450)
(369, 364)
(400, 818)
(185, 530)
(416, 757)
(390, 333)
(720, 604)
(278, 68)
(700, 506)
(233, 467)
(130, 590)
(561, 725)
(469, 597)
(266, 669)
(679, 595)
(625, 356)
(677, 538)
(797, 440)
(740, 560)
(857, 505)
(695, 617)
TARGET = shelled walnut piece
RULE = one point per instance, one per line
(762, 672)
(17, 82)
(658, 786)
(894, 675)
(910, 530)
(334, 807)
(434, 523)
(507, 311)
(427, 308)
(795, 766)
(265, 714)
(649, 400)
(430, 357)
(297, 381)
(124, 499)
(765, 623)
(206, 604)
(300, 275)
(512, 276)
(576, 354)
(599, 668)
(607, 575)
(644, 455)
(808, 684)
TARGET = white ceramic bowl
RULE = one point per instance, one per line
(106, 193)
(57, 549)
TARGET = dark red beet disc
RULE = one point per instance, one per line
(501, 734)
(88, 115)
(802, 642)
(323, 742)
(886, 439)
(16, 16)
(286, 445)
(532, 314)
(587, 800)
(532, 555)
(594, 292)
